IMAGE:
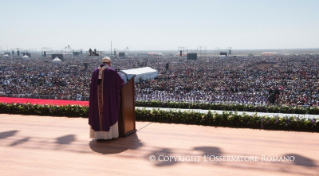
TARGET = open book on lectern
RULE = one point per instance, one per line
(125, 76)
(139, 74)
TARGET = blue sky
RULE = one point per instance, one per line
(159, 24)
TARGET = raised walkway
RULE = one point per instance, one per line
(44, 145)
(86, 103)
(238, 112)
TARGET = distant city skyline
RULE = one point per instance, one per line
(159, 25)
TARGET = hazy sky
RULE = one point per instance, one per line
(159, 24)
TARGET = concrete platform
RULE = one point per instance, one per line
(44, 145)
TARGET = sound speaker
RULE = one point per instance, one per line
(180, 53)
(45, 54)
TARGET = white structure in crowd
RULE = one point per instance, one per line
(269, 54)
(25, 57)
(154, 54)
(56, 60)
(143, 73)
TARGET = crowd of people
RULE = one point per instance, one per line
(281, 79)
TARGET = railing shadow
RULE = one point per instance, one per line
(209, 151)
(65, 140)
(164, 157)
(302, 161)
(20, 141)
(7, 134)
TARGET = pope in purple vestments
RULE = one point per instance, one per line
(104, 103)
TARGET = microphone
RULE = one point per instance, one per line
(119, 70)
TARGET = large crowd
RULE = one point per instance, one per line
(241, 79)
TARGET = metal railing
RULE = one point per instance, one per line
(69, 97)
(86, 98)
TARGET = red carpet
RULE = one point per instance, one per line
(43, 101)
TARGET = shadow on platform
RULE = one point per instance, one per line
(7, 134)
(65, 140)
(302, 161)
(21, 141)
(209, 151)
(162, 156)
(117, 145)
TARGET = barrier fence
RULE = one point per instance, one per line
(86, 98)
(67, 97)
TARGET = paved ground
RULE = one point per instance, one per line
(43, 145)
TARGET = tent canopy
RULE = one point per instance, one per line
(143, 73)
(25, 57)
(56, 60)
(269, 53)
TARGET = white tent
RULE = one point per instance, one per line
(143, 73)
(269, 53)
(56, 60)
(25, 57)
(6, 55)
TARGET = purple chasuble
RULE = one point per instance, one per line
(104, 103)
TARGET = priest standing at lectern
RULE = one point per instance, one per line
(104, 103)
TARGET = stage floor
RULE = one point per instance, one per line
(44, 145)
